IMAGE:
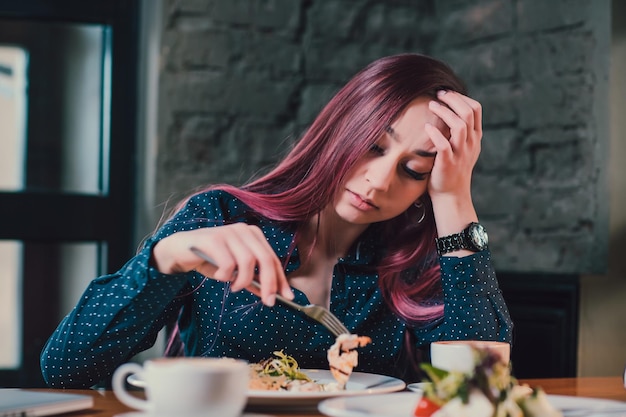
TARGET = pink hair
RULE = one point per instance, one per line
(307, 179)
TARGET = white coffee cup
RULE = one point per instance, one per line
(458, 355)
(186, 387)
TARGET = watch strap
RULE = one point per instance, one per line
(473, 237)
(451, 243)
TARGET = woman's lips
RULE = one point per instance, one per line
(361, 203)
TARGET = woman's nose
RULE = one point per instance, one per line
(380, 174)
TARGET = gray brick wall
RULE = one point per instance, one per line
(541, 71)
(240, 79)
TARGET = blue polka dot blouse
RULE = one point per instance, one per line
(120, 315)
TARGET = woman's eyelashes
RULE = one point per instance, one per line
(375, 149)
(419, 176)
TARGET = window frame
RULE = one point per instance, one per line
(108, 219)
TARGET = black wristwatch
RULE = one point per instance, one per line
(473, 238)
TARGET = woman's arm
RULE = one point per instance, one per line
(118, 316)
(473, 304)
(121, 314)
(458, 147)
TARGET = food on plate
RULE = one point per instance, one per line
(425, 407)
(282, 372)
(343, 356)
(489, 390)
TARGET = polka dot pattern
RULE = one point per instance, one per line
(121, 314)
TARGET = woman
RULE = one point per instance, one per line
(353, 218)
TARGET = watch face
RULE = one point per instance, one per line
(478, 236)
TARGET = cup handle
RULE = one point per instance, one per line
(119, 386)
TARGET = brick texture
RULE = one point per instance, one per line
(241, 79)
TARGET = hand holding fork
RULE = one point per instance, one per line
(318, 313)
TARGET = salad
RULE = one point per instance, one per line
(488, 391)
(282, 371)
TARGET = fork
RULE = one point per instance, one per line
(317, 313)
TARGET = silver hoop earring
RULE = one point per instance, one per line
(420, 206)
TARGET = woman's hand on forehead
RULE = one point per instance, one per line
(457, 152)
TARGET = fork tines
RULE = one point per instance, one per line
(333, 324)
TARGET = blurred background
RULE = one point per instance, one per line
(113, 110)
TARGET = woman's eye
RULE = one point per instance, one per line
(377, 150)
(414, 174)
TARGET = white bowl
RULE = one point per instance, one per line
(458, 355)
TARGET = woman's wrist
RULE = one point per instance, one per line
(453, 213)
(157, 259)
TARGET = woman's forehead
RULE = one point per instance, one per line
(410, 125)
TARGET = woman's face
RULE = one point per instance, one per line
(394, 173)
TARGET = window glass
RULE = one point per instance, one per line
(10, 304)
(13, 61)
(54, 84)
(71, 265)
(80, 263)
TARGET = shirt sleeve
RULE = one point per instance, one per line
(120, 315)
(474, 307)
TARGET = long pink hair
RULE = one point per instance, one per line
(307, 179)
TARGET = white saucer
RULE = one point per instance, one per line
(397, 404)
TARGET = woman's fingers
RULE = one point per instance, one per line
(440, 141)
(241, 263)
(462, 115)
(251, 256)
(239, 253)
(458, 153)
(456, 114)
(258, 258)
(466, 109)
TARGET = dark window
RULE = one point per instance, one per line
(67, 163)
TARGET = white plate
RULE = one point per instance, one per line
(402, 404)
(360, 383)
(397, 404)
(588, 407)
(147, 414)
